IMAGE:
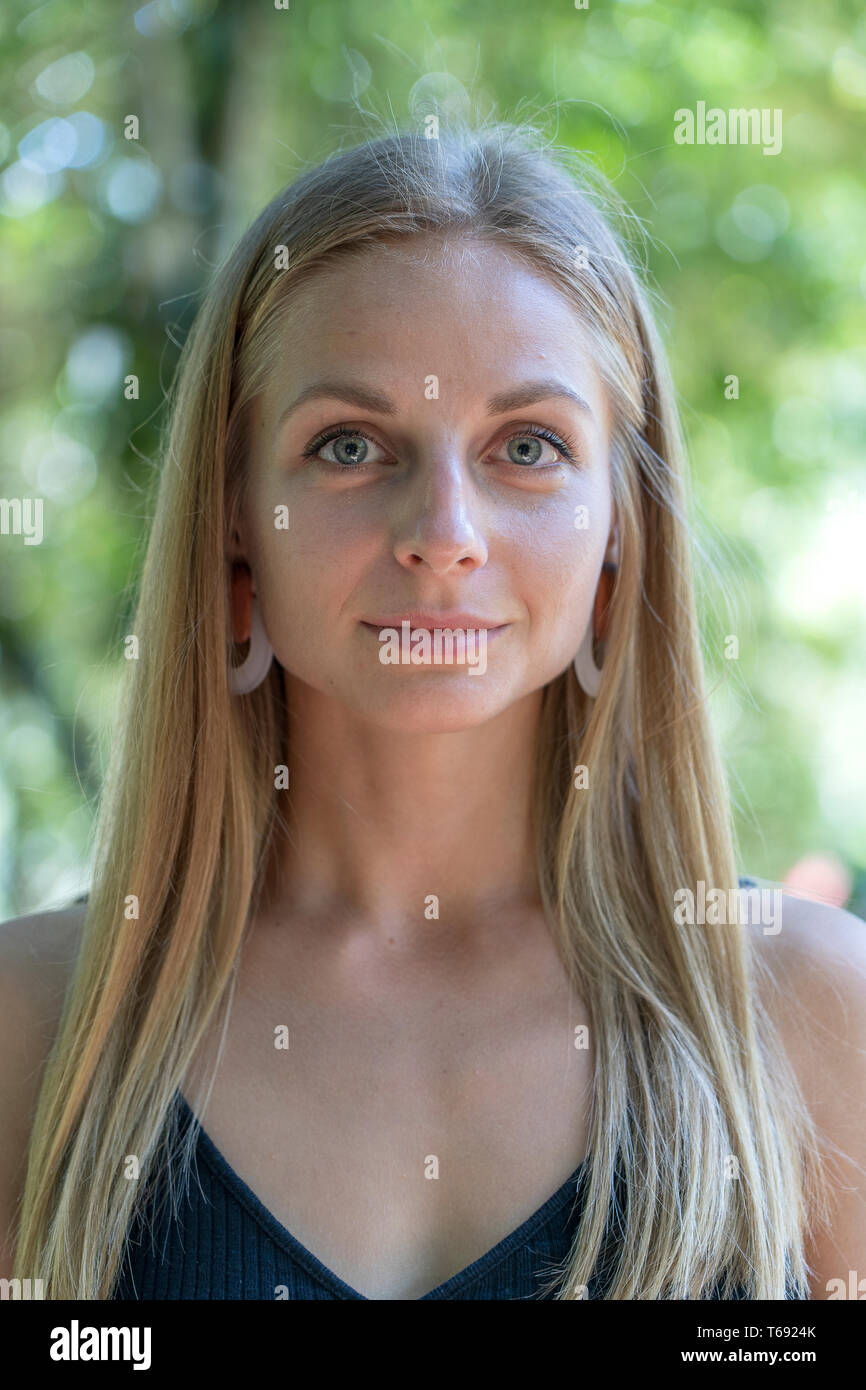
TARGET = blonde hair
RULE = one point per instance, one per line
(692, 1071)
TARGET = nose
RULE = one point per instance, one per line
(438, 529)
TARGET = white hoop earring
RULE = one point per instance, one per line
(253, 670)
(588, 674)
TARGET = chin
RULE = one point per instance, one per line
(432, 710)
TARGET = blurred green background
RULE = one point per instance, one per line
(758, 261)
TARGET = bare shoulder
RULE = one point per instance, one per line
(814, 983)
(806, 926)
(814, 957)
(37, 953)
(815, 988)
(42, 938)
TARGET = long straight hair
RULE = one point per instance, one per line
(693, 1077)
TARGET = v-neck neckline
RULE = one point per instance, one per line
(283, 1237)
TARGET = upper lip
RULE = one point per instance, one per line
(431, 620)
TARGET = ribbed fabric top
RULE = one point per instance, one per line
(226, 1244)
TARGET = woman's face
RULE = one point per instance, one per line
(441, 363)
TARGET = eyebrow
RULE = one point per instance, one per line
(368, 398)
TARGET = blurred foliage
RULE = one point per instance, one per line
(757, 261)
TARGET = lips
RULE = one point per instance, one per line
(431, 621)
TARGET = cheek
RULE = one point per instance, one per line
(559, 563)
(305, 572)
(314, 527)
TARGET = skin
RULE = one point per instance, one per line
(456, 1031)
(439, 518)
(412, 1036)
(384, 812)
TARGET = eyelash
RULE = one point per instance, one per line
(563, 443)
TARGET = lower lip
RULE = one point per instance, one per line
(491, 631)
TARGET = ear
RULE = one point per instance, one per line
(242, 601)
(236, 549)
(611, 554)
(602, 599)
(606, 581)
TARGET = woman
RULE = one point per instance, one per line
(403, 932)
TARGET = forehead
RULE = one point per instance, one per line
(471, 313)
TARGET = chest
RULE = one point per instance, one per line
(399, 1125)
